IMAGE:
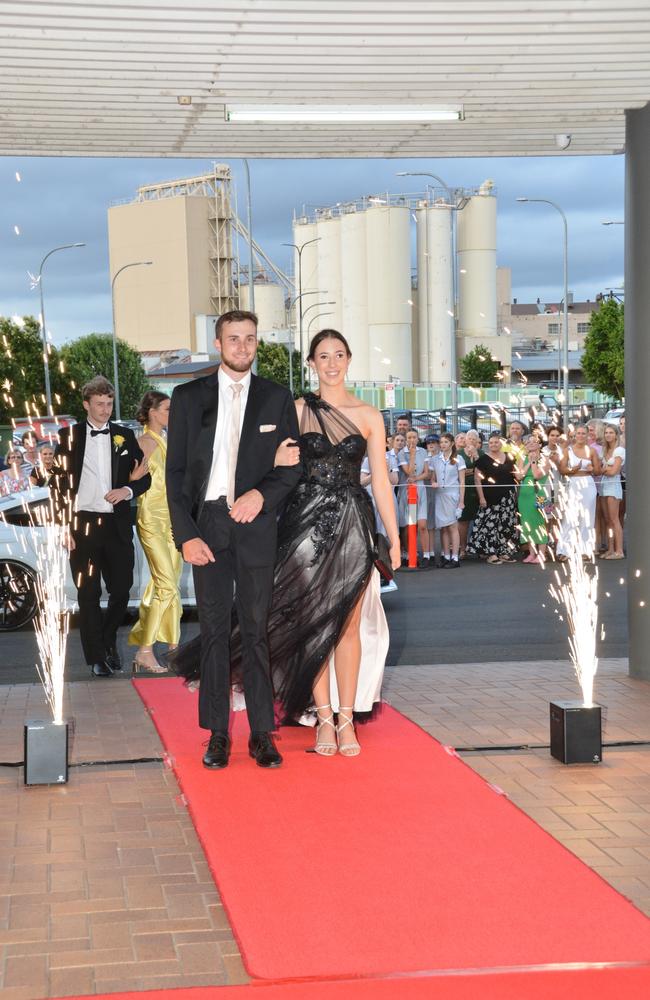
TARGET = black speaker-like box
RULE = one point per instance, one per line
(46, 753)
(576, 735)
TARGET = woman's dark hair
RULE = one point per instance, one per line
(495, 434)
(150, 401)
(326, 335)
(454, 452)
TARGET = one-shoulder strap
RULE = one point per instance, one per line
(322, 418)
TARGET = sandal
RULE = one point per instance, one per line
(146, 666)
(323, 748)
(493, 560)
(348, 749)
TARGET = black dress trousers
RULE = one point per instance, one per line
(103, 549)
(238, 566)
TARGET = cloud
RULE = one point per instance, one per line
(65, 200)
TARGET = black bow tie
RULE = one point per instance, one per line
(94, 433)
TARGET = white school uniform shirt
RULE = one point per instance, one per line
(96, 479)
(218, 481)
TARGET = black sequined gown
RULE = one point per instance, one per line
(324, 566)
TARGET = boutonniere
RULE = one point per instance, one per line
(118, 441)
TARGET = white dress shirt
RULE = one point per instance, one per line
(218, 481)
(96, 477)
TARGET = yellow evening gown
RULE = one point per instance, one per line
(160, 608)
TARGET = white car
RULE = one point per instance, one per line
(19, 564)
(614, 416)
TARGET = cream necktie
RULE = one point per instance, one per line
(233, 442)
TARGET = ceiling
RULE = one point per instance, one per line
(102, 78)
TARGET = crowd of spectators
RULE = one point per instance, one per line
(535, 494)
(26, 465)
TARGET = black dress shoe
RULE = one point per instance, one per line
(101, 669)
(263, 750)
(113, 659)
(218, 752)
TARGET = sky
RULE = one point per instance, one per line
(65, 200)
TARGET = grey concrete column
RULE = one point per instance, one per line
(637, 384)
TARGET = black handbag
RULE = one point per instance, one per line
(382, 558)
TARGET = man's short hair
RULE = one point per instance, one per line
(98, 386)
(234, 316)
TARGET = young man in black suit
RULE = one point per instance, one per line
(98, 468)
(224, 493)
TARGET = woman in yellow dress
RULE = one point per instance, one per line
(160, 609)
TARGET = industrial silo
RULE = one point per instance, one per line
(477, 265)
(269, 305)
(354, 290)
(389, 292)
(328, 249)
(435, 291)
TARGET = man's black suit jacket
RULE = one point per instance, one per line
(190, 441)
(68, 465)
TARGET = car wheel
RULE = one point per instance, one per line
(18, 600)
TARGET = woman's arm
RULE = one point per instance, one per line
(613, 469)
(381, 488)
(595, 462)
(287, 453)
(461, 480)
(478, 482)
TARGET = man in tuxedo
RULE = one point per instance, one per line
(98, 468)
(224, 493)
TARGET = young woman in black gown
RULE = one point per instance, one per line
(325, 584)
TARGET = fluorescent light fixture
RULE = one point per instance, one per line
(342, 114)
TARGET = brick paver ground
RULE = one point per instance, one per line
(104, 886)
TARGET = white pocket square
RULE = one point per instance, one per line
(265, 428)
(125, 452)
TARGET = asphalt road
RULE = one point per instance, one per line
(478, 613)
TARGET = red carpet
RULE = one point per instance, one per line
(401, 860)
(601, 984)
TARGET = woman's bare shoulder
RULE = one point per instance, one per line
(147, 444)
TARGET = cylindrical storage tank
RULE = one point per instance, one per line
(440, 293)
(269, 305)
(304, 232)
(422, 260)
(354, 292)
(328, 249)
(477, 266)
(389, 291)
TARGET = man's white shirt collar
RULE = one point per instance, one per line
(225, 380)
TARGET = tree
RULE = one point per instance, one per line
(22, 372)
(603, 356)
(273, 363)
(93, 355)
(478, 367)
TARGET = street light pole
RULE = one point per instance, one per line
(453, 368)
(46, 364)
(249, 213)
(330, 312)
(292, 302)
(299, 250)
(116, 382)
(565, 331)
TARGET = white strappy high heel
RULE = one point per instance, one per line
(348, 749)
(325, 749)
